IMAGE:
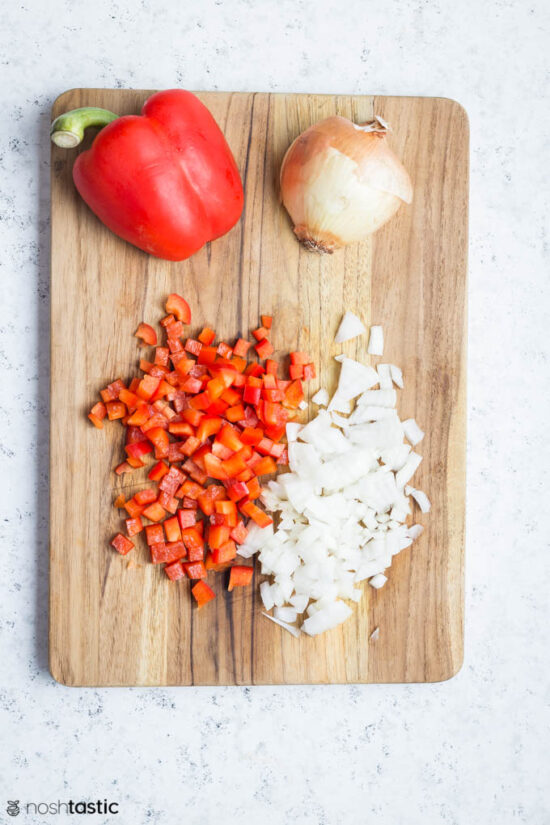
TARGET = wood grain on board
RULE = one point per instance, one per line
(115, 623)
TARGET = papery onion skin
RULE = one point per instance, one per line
(340, 183)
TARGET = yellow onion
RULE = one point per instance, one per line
(340, 182)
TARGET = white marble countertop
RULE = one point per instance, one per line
(471, 750)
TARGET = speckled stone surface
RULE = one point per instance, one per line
(472, 750)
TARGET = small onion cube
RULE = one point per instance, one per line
(376, 341)
(294, 630)
(321, 398)
(286, 614)
(396, 376)
(413, 433)
(350, 327)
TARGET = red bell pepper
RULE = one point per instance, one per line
(240, 576)
(166, 181)
(202, 593)
(121, 544)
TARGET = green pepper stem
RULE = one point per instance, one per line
(67, 130)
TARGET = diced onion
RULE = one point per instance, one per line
(413, 433)
(376, 341)
(265, 593)
(396, 376)
(421, 498)
(344, 503)
(294, 630)
(286, 614)
(384, 376)
(408, 469)
(321, 398)
(350, 327)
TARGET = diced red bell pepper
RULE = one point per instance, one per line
(309, 372)
(209, 425)
(259, 516)
(172, 529)
(283, 458)
(239, 533)
(180, 428)
(264, 348)
(121, 544)
(252, 395)
(141, 414)
(267, 321)
(162, 355)
(148, 387)
(161, 552)
(174, 330)
(224, 350)
(133, 508)
(178, 306)
(129, 398)
(240, 365)
(147, 334)
(154, 512)
(207, 355)
(275, 433)
(235, 413)
(160, 439)
(192, 416)
(138, 448)
(195, 569)
(299, 358)
(192, 346)
(111, 392)
(202, 593)
(211, 565)
(214, 467)
(135, 463)
(194, 543)
(260, 333)
(115, 410)
(236, 489)
(229, 437)
(191, 490)
(172, 481)
(241, 348)
(190, 445)
(254, 487)
(145, 496)
(201, 401)
(169, 503)
(99, 410)
(218, 535)
(220, 451)
(97, 422)
(175, 571)
(240, 576)
(234, 465)
(154, 534)
(186, 518)
(225, 553)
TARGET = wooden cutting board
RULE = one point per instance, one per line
(113, 624)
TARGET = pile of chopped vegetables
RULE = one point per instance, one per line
(214, 423)
(344, 504)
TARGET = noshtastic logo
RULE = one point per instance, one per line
(101, 806)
